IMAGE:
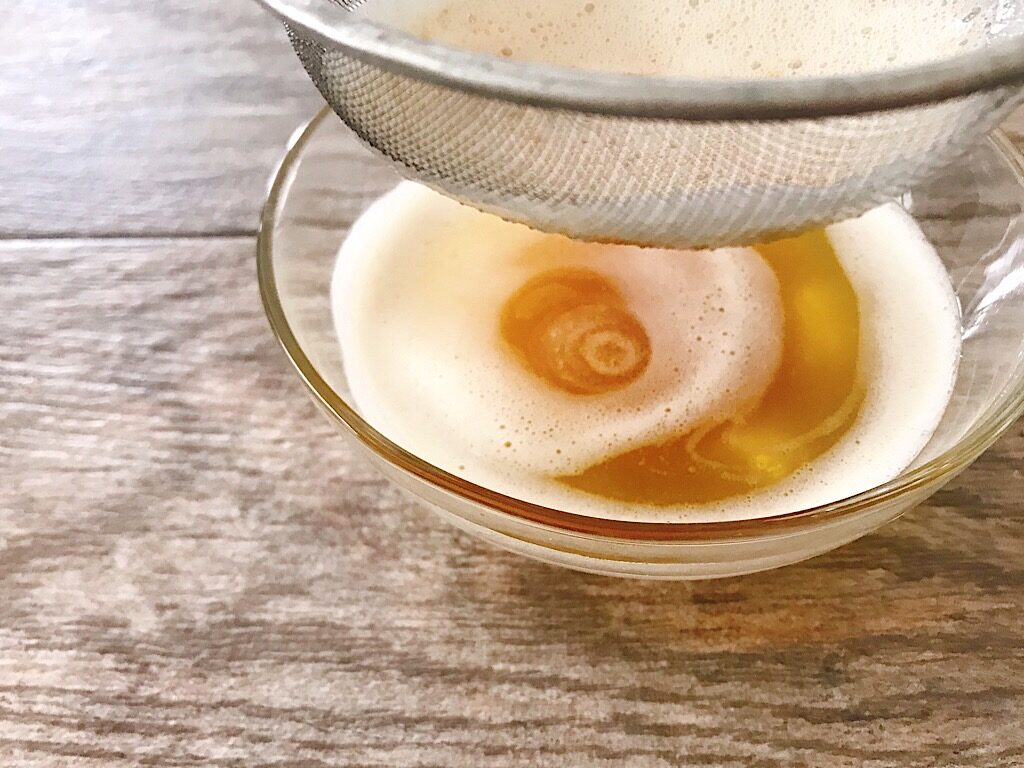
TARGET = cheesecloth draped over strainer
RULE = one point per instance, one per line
(650, 160)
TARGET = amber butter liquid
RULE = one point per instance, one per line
(573, 329)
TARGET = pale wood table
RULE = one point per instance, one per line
(194, 572)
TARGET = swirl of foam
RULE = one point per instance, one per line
(501, 353)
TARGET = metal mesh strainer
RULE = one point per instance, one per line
(641, 159)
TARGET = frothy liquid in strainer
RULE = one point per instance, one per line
(706, 38)
(646, 384)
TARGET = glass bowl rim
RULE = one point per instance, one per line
(997, 64)
(980, 436)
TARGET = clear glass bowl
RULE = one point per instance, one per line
(973, 212)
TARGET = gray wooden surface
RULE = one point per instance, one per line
(193, 571)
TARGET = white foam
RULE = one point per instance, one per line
(707, 38)
(417, 293)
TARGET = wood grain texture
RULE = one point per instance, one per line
(195, 572)
(120, 117)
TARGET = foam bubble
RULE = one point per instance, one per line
(417, 294)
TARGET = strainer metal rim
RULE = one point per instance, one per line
(1000, 64)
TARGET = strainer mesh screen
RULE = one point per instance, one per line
(656, 181)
